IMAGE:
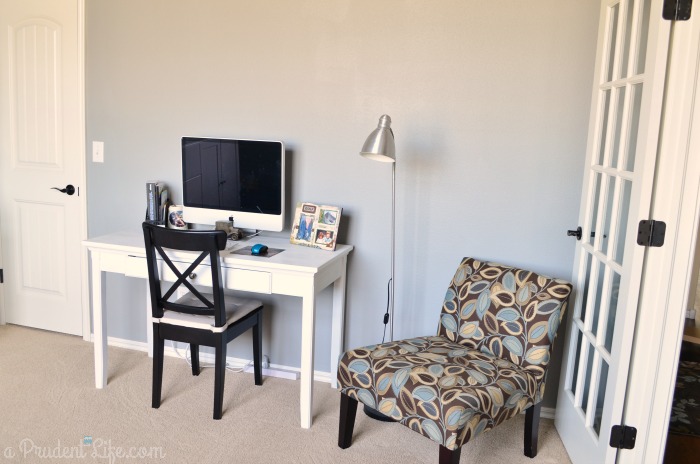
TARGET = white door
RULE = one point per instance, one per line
(633, 42)
(41, 146)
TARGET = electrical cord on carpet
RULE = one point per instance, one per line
(188, 360)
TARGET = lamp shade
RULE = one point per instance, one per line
(379, 146)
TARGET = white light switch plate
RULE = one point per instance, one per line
(98, 152)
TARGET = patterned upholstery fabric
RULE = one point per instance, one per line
(486, 364)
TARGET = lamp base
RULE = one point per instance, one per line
(376, 415)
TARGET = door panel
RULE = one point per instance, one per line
(41, 146)
(37, 273)
(35, 67)
(621, 156)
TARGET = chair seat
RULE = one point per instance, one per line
(446, 391)
(236, 308)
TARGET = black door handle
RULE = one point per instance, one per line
(69, 190)
(575, 233)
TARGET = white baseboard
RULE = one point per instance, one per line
(275, 370)
(548, 413)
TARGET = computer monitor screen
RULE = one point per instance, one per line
(243, 179)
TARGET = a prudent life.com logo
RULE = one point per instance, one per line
(88, 448)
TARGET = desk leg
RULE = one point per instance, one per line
(338, 323)
(308, 319)
(99, 321)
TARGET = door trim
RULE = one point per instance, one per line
(84, 264)
(668, 270)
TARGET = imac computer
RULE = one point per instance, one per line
(231, 178)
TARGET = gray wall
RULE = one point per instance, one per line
(490, 106)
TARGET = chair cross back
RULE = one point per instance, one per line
(209, 243)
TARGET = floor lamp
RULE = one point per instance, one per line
(379, 146)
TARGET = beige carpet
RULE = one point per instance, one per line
(49, 404)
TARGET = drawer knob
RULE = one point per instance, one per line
(193, 276)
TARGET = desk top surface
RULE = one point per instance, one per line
(293, 256)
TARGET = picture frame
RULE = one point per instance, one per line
(316, 225)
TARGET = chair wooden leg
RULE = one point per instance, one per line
(257, 349)
(194, 356)
(219, 376)
(448, 456)
(158, 348)
(532, 426)
(348, 410)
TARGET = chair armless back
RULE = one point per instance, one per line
(208, 243)
(504, 311)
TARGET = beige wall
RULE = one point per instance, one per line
(490, 104)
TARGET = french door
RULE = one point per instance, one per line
(633, 43)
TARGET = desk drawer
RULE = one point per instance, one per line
(136, 267)
(233, 278)
(247, 280)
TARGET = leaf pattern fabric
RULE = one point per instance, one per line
(486, 364)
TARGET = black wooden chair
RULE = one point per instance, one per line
(197, 318)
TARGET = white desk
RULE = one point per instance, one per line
(297, 271)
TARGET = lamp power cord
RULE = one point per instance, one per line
(188, 359)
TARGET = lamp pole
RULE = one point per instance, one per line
(393, 250)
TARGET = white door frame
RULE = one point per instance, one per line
(84, 263)
(2, 296)
(82, 198)
(667, 282)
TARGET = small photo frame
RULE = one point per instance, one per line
(175, 220)
(316, 226)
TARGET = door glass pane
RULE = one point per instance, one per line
(600, 400)
(628, 34)
(612, 312)
(604, 126)
(594, 211)
(643, 38)
(612, 41)
(623, 213)
(598, 303)
(587, 379)
(605, 228)
(577, 360)
(615, 154)
(635, 109)
(587, 273)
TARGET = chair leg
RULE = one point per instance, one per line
(257, 349)
(158, 348)
(448, 456)
(348, 410)
(219, 376)
(532, 426)
(194, 356)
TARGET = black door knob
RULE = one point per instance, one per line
(575, 233)
(69, 190)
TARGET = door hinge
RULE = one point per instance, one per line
(677, 10)
(623, 437)
(651, 233)
(2, 277)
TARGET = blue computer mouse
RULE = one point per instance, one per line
(258, 249)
